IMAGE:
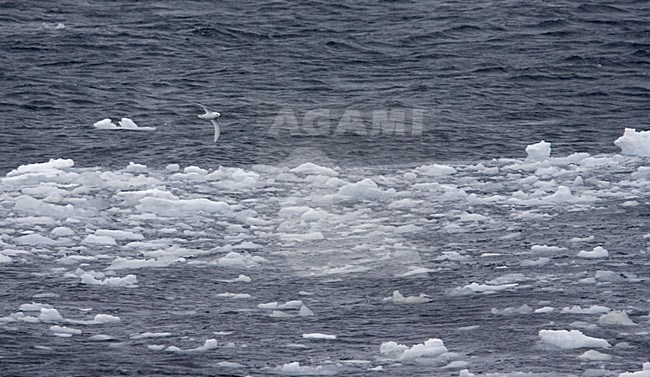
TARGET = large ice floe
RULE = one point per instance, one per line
(540, 260)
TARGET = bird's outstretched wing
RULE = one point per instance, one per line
(217, 129)
(205, 108)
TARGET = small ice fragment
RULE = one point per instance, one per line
(64, 330)
(145, 335)
(465, 373)
(318, 336)
(593, 355)
(305, 311)
(106, 318)
(105, 124)
(398, 298)
(593, 309)
(597, 252)
(101, 338)
(643, 373)
(615, 318)
(50, 315)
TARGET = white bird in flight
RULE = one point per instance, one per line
(213, 117)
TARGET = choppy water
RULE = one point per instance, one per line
(489, 78)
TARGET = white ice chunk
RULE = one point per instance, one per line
(295, 369)
(50, 315)
(593, 355)
(435, 169)
(54, 166)
(545, 248)
(62, 231)
(127, 281)
(430, 349)
(643, 373)
(365, 189)
(313, 169)
(234, 295)
(244, 260)
(105, 319)
(240, 278)
(305, 312)
(524, 309)
(539, 152)
(398, 298)
(119, 234)
(593, 309)
(209, 344)
(597, 252)
(124, 124)
(146, 335)
(183, 207)
(99, 240)
(643, 172)
(120, 263)
(615, 318)
(571, 339)
(634, 143)
(105, 124)
(64, 330)
(33, 307)
(318, 336)
(34, 240)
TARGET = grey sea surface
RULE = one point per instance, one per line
(334, 250)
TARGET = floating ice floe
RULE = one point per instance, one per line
(239, 279)
(634, 143)
(295, 369)
(147, 335)
(398, 298)
(593, 309)
(243, 260)
(120, 263)
(295, 304)
(234, 295)
(545, 248)
(571, 339)
(313, 169)
(593, 355)
(319, 336)
(99, 319)
(432, 350)
(524, 309)
(539, 152)
(209, 344)
(615, 318)
(597, 252)
(480, 288)
(645, 372)
(124, 124)
(128, 281)
(64, 330)
(435, 169)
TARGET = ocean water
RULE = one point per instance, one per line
(183, 239)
